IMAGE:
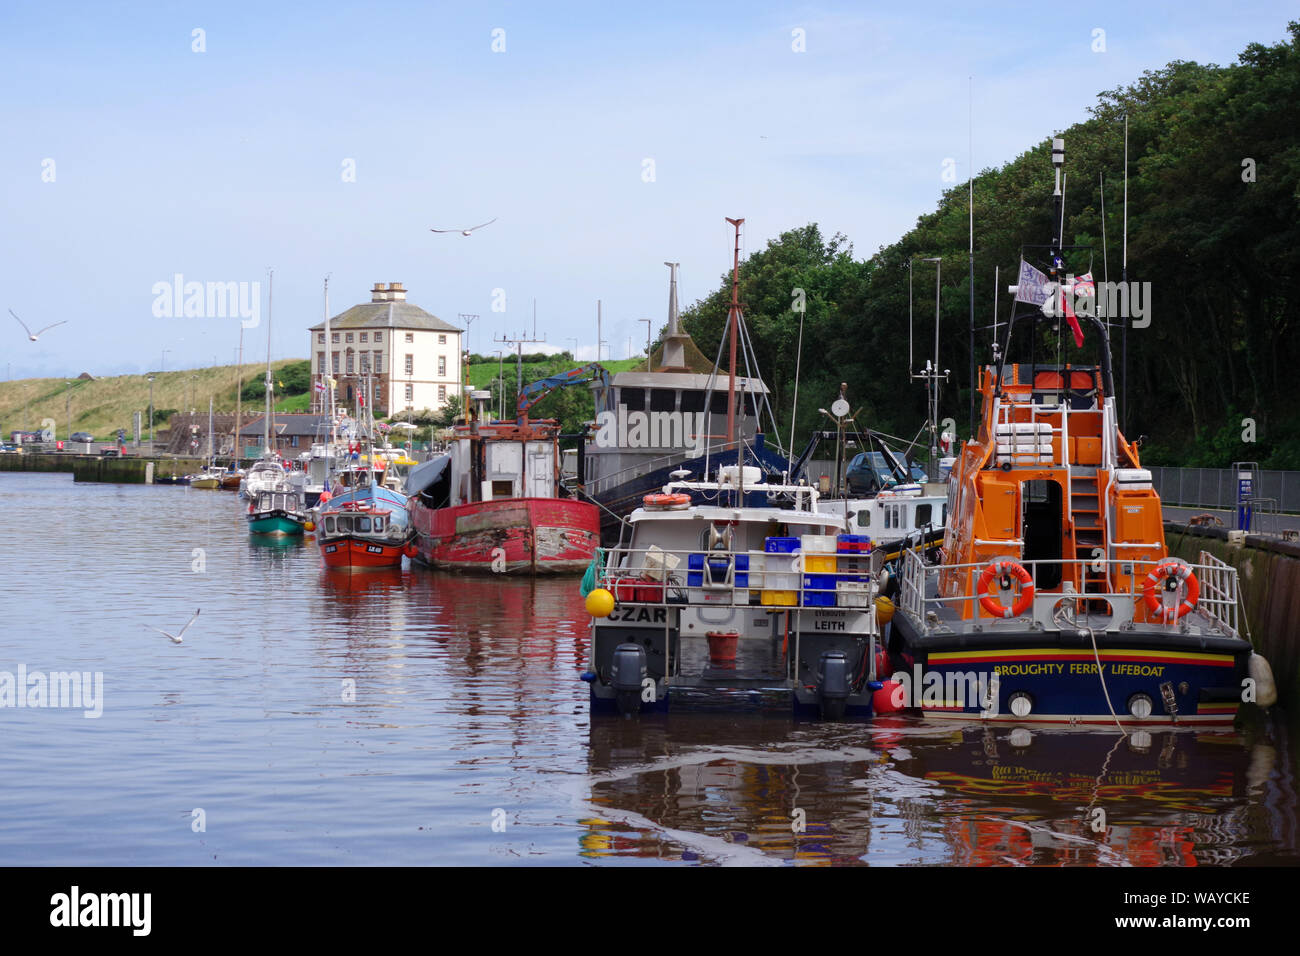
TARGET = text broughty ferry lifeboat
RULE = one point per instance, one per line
(1056, 599)
(710, 603)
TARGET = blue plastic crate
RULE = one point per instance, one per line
(780, 545)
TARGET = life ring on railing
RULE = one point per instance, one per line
(672, 502)
(1166, 571)
(1005, 566)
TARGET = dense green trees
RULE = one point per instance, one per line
(1214, 226)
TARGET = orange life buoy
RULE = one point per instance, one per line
(661, 502)
(1166, 570)
(993, 605)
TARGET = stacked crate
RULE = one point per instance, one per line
(780, 579)
(853, 560)
(717, 577)
(819, 570)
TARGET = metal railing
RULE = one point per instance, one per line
(656, 577)
(1218, 602)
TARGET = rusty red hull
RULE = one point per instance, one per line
(508, 536)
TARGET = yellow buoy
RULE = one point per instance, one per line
(310, 526)
(884, 609)
(600, 603)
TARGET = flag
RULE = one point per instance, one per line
(1083, 286)
(361, 401)
(1032, 285)
(320, 386)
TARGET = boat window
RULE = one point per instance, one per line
(663, 400)
(692, 401)
(503, 489)
(864, 518)
(379, 524)
(1041, 529)
(345, 523)
(922, 515)
(633, 398)
(363, 524)
(329, 525)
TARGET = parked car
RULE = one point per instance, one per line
(869, 473)
(83, 436)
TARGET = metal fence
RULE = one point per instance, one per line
(1217, 487)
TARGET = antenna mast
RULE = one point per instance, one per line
(732, 318)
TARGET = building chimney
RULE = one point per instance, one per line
(379, 293)
(396, 293)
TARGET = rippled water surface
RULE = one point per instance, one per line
(412, 718)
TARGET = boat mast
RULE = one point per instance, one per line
(732, 318)
(211, 454)
(266, 420)
(239, 398)
(328, 381)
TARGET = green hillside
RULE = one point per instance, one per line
(103, 405)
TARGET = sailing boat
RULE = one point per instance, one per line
(275, 507)
(210, 477)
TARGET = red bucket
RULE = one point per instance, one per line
(722, 648)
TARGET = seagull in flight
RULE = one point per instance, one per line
(466, 232)
(177, 638)
(35, 335)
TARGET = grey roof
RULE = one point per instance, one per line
(286, 423)
(386, 315)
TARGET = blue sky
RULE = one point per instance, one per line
(218, 164)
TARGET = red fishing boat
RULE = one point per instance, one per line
(493, 502)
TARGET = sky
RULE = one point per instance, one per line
(217, 141)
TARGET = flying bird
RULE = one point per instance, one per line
(177, 638)
(35, 335)
(466, 232)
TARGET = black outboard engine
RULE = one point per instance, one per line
(834, 683)
(626, 673)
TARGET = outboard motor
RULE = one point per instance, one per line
(626, 673)
(834, 681)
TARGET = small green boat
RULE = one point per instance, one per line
(277, 512)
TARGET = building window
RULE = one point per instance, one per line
(320, 337)
(365, 361)
(348, 336)
(410, 364)
(334, 338)
(442, 365)
(442, 393)
(363, 336)
(410, 336)
(442, 340)
(335, 362)
(293, 441)
(410, 393)
(379, 361)
(379, 336)
(320, 362)
(350, 358)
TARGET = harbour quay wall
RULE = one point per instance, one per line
(38, 462)
(1268, 570)
(128, 470)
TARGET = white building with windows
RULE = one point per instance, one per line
(413, 358)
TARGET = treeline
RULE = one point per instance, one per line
(1213, 226)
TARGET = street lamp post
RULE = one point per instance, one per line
(647, 343)
(67, 408)
(151, 416)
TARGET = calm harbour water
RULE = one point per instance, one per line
(469, 741)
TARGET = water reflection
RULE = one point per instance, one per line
(906, 791)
